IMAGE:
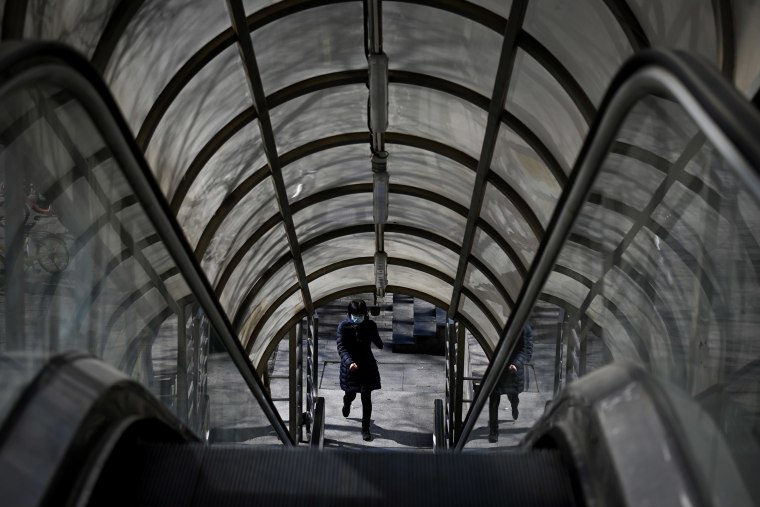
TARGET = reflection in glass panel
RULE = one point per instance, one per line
(83, 269)
(542, 104)
(670, 283)
(310, 43)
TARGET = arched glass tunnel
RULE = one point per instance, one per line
(305, 150)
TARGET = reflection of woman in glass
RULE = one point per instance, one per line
(358, 367)
(511, 382)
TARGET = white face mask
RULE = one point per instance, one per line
(357, 319)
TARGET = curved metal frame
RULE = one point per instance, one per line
(75, 74)
(714, 105)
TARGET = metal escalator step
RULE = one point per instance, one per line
(167, 474)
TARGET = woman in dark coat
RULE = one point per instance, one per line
(511, 382)
(358, 367)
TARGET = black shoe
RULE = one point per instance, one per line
(493, 436)
(366, 435)
(346, 409)
(515, 412)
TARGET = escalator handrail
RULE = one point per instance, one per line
(727, 119)
(67, 68)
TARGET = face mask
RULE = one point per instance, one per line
(357, 319)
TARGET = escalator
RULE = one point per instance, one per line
(121, 366)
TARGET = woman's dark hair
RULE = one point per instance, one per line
(357, 307)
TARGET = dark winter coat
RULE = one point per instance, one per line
(513, 383)
(353, 342)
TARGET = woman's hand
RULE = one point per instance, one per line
(353, 367)
(512, 368)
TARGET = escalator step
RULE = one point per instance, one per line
(166, 474)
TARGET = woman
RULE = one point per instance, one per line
(511, 382)
(358, 368)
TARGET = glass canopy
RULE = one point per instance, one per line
(486, 116)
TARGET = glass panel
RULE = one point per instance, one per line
(251, 317)
(443, 43)
(681, 24)
(407, 278)
(238, 227)
(500, 7)
(310, 43)
(438, 116)
(320, 114)
(745, 19)
(679, 295)
(167, 33)
(215, 96)
(235, 161)
(346, 278)
(262, 254)
(77, 24)
(353, 209)
(426, 215)
(430, 171)
(537, 100)
(402, 246)
(523, 170)
(285, 312)
(338, 250)
(478, 319)
(504, 217)
(665, 140)
(344, 165)
(485, 249)
(484, 290)
(584, 36)
(84, 269)
(641, 179)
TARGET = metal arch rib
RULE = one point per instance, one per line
(503, 78)
(256, 87)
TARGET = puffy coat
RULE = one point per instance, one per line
(353, 341)
(514, 383)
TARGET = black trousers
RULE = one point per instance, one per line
(493, 409)
(366, 405)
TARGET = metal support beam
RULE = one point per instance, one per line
(256, 88)
(292, 384)
(498, 99)
(459, 379)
